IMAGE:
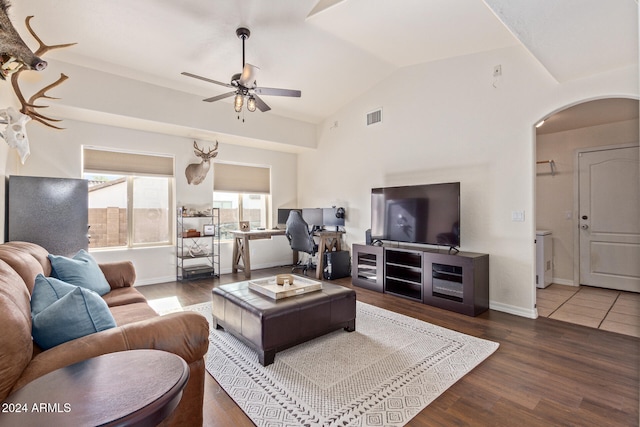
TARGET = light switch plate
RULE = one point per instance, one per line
(517, 216)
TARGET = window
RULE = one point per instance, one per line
(129, 199)
(236, 207)
(242, 194)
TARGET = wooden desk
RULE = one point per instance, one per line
(126, 388)
(241, 251)
(329, 240)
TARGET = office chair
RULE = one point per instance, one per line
(301, 239)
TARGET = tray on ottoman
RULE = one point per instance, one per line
(269, 287)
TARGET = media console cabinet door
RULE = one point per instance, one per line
(368, 267)
(468, 272)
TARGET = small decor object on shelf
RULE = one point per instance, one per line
(209, 230)
(198, 250)
(192, 232)
(244, 226)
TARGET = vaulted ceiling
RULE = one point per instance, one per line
(331, 50)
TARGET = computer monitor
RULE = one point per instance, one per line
(283, 215)
(330, 219)
(313, 216)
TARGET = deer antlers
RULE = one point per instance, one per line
(200, 152)
(28, 107)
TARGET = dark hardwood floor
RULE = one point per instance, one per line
(545, 373)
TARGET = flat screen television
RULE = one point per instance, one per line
(427, 214)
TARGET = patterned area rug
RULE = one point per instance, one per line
(382, 374)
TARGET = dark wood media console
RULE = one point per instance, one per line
(457, 282)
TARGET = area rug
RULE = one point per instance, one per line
(383, 374)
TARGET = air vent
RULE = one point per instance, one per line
(374, 117)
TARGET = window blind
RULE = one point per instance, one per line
(106, 161)
(241, 179)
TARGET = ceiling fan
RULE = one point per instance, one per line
(244, 84)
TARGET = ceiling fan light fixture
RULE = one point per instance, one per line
(237, 103)
(251, 104)
(244, 84)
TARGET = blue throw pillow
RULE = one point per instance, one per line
(78, 313)
(46, 291)
(81, 270)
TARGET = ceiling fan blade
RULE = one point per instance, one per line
(219, 97)
(262, 106)
(277, 92)
(184, 73)
(248, 77)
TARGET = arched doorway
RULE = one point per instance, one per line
(597, 126)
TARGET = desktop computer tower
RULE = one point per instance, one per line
(337, 264)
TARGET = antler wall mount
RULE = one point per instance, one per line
(28, 106)
(16, 57)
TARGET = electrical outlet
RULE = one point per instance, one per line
(497, 70)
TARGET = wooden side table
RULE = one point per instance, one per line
(126, 388)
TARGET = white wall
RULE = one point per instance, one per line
(445, 121)
(58, 154)
(442, 121)
(555, 193)
(126, 102)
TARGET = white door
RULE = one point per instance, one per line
(609, 218)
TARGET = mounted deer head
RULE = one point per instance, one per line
(14, 53)
(196, 172)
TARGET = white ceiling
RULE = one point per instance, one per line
(331, 50)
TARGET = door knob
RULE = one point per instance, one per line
(584, 226)
(585, 217)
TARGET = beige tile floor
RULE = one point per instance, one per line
(607, 309)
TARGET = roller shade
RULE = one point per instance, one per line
(241, 179)
(96, 160)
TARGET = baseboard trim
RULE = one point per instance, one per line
(566, 282)
(512, 309)
(155, 280)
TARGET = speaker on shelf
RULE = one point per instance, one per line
(367, 237)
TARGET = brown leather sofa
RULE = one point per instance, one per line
(138, 327)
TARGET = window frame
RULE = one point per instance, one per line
(240, 208)
(129, 180)
(244, 179)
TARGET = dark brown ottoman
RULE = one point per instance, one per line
(270, 325)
